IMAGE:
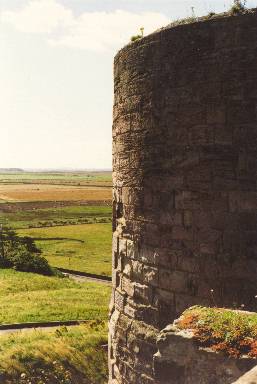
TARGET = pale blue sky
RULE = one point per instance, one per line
(56, 74)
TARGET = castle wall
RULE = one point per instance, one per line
(184, 172)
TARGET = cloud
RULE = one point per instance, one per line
(39, 16)
(95, 31)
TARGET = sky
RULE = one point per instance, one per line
(56, 74)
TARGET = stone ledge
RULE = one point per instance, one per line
(249, 378)
(180, 360)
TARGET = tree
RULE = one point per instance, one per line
(21, 253)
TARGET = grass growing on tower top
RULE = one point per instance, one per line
(233, 332)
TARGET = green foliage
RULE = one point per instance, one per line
(210, 15)
(21, 253)
(29, 262)
(238, 7)
(135, 37)
(68, 355)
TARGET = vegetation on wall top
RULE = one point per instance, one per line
(238, 7)
(233, 332)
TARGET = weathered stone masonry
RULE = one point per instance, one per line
(185, 197)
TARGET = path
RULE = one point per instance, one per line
(46, 326)
(84, 276)
(82, 279)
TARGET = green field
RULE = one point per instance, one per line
(55, 177)
(84, 248)
(55, 216)
(69, 216)
(67, 355)
(26, 297)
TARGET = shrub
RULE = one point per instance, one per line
(21, 253)
(210, 15)
(29, 262)
(238, 7)
(136, 37)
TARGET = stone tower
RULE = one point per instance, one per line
(185, 197)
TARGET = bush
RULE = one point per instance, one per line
(238, 7)
(29, 262)
(21, 253)
(136, 37)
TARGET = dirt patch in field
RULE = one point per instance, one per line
(39, 192)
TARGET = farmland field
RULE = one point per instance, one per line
(71, 223)
(84, 178)
(51, 192)
(23, 216)
(55, 186)
(69, 216)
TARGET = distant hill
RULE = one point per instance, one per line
(11, 170)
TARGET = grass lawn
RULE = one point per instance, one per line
(84, 248)
(56, 216)
(28, 297)
(68, 355)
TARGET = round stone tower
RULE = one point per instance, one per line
(184, 173)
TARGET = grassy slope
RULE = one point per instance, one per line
(29, 297)
(37, 217)
(85, 248)
(69, 356)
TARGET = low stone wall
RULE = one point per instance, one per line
(180, 360)
(249, 378)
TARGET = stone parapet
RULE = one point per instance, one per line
(180, 360)
(248, 378)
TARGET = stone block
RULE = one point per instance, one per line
(127, 286)
(143, 293)
(115, 278)
(131, 249)
(127, 267)
(150, 276)
(122, 247)
(119, 300)
(174, 281)
(182, 233)
(187, 219)
(180, 360)
(188, 264)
